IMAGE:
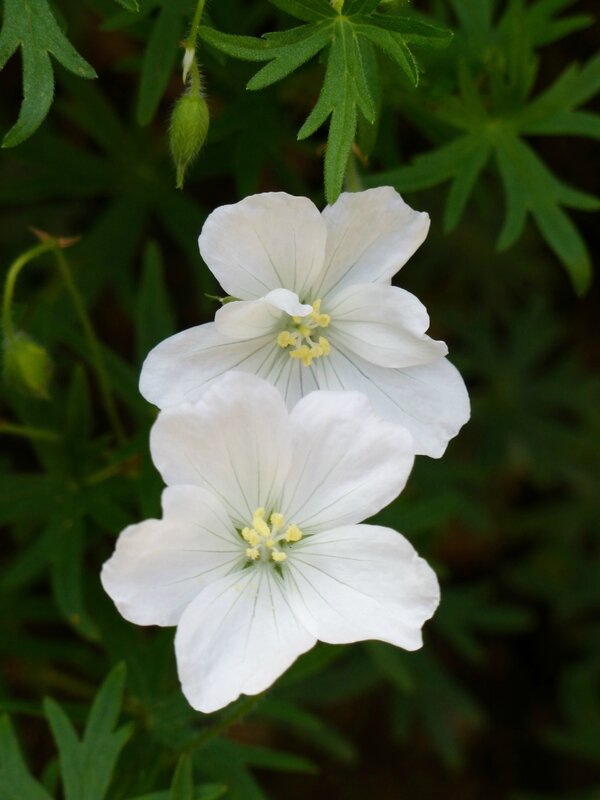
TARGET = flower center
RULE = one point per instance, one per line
(302, 336)
(266, 539)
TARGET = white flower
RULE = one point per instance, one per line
(315, 309)
(259, 553)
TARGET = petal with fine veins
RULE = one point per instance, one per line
(361, 582)
(370, 236)
(235, 442)
(238, 636)
(264, 242)
(159, 566)
(383, 324)
(178, 369)
(347, 462)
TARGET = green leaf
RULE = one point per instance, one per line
(154, 318)
(307, 10)
(16, 783)
(31, 26)
(344, 90)
(160, 57)
(182, 787)
(87, 764)
(395, 47)
(291, 56)
(530, 187)
(67, 574)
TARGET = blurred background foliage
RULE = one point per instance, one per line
(495, 141)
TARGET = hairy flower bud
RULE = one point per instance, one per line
(27, 365)
(189, 127)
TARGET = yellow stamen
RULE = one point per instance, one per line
(324, 345)
(253, 553)
(259, 524)
(251, 536)
(293, 534)
(277, 520)
(285, 339)
(278, 556)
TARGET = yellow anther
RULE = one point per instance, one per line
(304, 354)
(251, 536)
(304, 330)
(259, 524)
(270, 543)
(316, 307)
(293, 534)
(316, 351)
(278, 556)
(277, 520)
(324, 345)
(296, 320)
(285, 339)
(253, 553)
(322, 320)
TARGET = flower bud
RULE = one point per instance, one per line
(189, 127)
(27, 365)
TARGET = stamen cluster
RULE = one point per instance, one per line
(265, 540)
(300, 336)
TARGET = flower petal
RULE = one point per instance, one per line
(178, 369)
(370, 236)
(159, 566)
(247, 319)
(431, 400)
(361, 582)
(383, 324)
(235, 442)
(347, 462)
(264, 242)
(238, 636)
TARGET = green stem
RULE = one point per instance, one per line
(11, 280)
(11, 429)
(239, 710)
(352, 181)
(190, 42)
(94, 346)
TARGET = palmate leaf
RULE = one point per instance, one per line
(489, 138)
(87, 764)
(347, 40)
(30, 25)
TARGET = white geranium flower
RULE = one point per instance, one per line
(316, 309)
(259, 553)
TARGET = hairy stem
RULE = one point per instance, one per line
(237, 712)
(11, 280)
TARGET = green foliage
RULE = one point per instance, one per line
(490, 116)
(347, 38)
(31, 26)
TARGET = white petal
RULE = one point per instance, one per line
(370, 236)
(384, 324)
(347, 462)
(238, 636)
(431, 401)
(159, 566)
(178, 369)
(247, 319)
(361, 582)
(235, 442)
(264, 242)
